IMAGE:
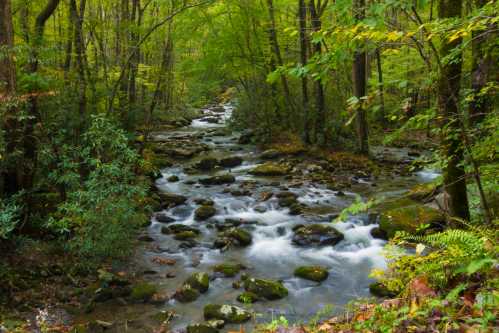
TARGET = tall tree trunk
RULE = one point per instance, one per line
(9, 177)
(135, 20)
(276, 54)
(381, 88)
(302, 17)
(320, 102)
(448, 96)
(359, 87)
(482, 63)
(80, 63)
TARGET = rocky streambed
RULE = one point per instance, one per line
(245, 236)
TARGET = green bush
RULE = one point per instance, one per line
(100, 217)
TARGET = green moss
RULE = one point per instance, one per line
(186, 294)
(185, 235)
(409, 219)
(204, 212)
(228, 313)
(228, 270)
(267, 289)
(269, 169)
(313, 273)
(248, 297)
(199, 281)
(422, 192)
(143, 291)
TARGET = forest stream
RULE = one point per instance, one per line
(274, 251)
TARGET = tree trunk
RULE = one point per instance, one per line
(320, 102)
(448, 97)
(9, 177)
(302, 17)
(381, 88)
(80, 63)
(482, 64)
(359, 80)
(276, 53)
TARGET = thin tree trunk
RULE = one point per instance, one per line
(381, 88)
(448, 96)
(80, 64)
(302, 16)
(359, 79)
(320, 102)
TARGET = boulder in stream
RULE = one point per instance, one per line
(231, 161)
(206, 164)
(228, 269)
(178, 228)
(248, 297)
(269, 169)
(163, 218)
(218, 180)
(201, 328)
(270, 154)
(204, 213)
(171, 199)
(228, 313)
(312, 273)
(186, 294)
(268, 289)
(316, 234)
(410, 219)
(233, 236)
(199, 281)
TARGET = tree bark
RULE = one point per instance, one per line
(302, 17)
(359, 79)
(316, 11)
(448, 96)
(381, 88)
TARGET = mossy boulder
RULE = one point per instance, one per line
(201, 328)
(233, 236)
(227, 269)
(270, 154)
(218, 180)
(312, 273)
(410, 219)
(268, 289)
(380, 290)
(199, 281)
(228, 313)
(231, 161)
(316, 234)
(171, 199)
(186, 294)
(422, 192)
(269, 169)
(248, 297)
(204, 212)
(173, 179)
(143, 291)
(185, 235)
(178, 228)
(206, 164)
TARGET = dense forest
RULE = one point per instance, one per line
(249, 165)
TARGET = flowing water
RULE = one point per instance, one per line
(271, 254)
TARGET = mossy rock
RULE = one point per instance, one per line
(207, 163)
(218, 180)
(185, 235)
(380, 290)
(231, 161)
(186, 294)
(316, 234)
(204, 212)
(312, 273)
(228, 270)
(143, 291)
(228, 313)
(410, 219)
(391, 203)
(248, 297)
(201, 328)
(233, 236)
(422, 192)
(268, 289)
(199, 281)
(178, 228)
(270, 154)
(269, 169)
(172, 199)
